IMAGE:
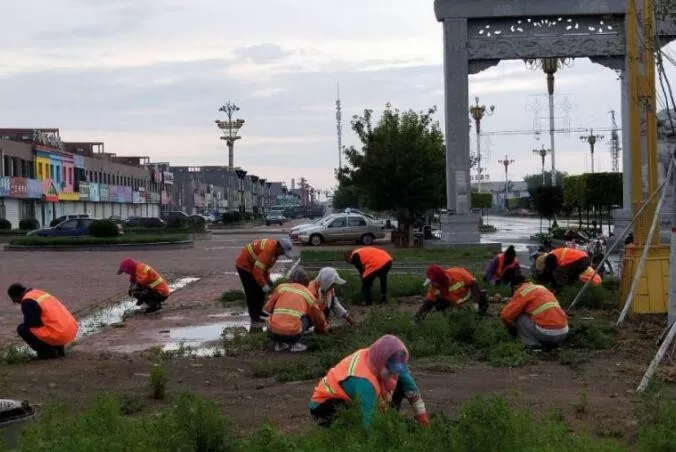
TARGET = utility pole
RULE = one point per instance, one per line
(542, 153)
(506, 162)
(614, 144)
(339, 127)
(591, 139)
(230, 129)
(478, 112)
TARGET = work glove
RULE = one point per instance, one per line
(423, 419)
(266, 289)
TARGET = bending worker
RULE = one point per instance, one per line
(503, 267)
(562, 266)
(534, 315)
(323, 288)
(373, 377)
(47, 325)
(372, 263)
(147, 286)
(253, 266)
(293, 310)
(451, 287)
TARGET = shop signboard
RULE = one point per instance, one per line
(95, 191)
(17, 187)
(104, 193)
(84, 191)
(154, 198)
(126, 194)
(4, 186)
(33, 188)
(49, 192)
(138, 198)
(113, 193)
(69, 196)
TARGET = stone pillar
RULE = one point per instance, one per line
(458, 226)
(623, 216)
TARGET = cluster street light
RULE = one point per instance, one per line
(591, 139)
(506, 162)
(478, 112)
(543, 154)
(550, 66)
(230, 128)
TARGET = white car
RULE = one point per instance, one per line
(294, 231)
(343, 227)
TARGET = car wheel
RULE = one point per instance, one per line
(367, 239)
(316, 240)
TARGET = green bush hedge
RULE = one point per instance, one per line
(177, 223)
(104, 228)
(6, 232)
(75, 241)
(155, 231)
(29, 224)
(5, 224)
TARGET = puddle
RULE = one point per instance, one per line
(115, 314)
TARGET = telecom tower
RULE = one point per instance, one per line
(339, 128)
(614, 144)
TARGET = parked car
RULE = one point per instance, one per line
(174, 214)
(70, 216)
(343, 227)
(144, 222)
(275, 217)
(76, 227)
(296, 229)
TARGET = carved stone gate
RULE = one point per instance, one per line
(480, 33)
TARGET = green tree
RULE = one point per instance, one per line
(548, 201)
(574, 195)
(533, 181)
(346, 195)
(400, 166)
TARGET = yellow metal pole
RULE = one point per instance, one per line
(651, 295)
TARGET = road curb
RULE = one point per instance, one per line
(183, 244)
(248, 231)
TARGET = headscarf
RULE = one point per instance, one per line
(299, 276)
(327, 277)
(387, 356)
(438, 276)
(127, 266)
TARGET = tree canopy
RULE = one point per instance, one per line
(533, 181)
(400, 165)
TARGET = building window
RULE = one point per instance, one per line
(65, 177)
(3, 212)
(27, 209)
(70, 176)
(51, 172)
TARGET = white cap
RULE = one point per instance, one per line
(329, 276)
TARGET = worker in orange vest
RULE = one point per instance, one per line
(502, 267)
(373, 377)
(454, 286)
(563, 266)
(590, 274)
(293, 310)
(534, 315)
(147, 286)
(47, 325)
(253, 266)
(323, 288)
(372, 263)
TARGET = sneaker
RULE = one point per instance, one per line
(298, 347)
(281, 347)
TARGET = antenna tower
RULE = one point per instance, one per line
(339, 129)
(614, 144)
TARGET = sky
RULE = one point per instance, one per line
(147, 78)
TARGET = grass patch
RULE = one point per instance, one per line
(606, 296)
(231, 296)
(88, 240)
(431, 256)
(195, 424)
(158, 382)
(16, 355)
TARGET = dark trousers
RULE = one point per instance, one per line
(291, 339)
(570, 274)
(367, 283)
(255, 297)
(145, 295)
(43, 349)
(325, 413)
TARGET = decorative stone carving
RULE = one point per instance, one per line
(546, 26)
(616, 63)
(476, 66)
(546, 46)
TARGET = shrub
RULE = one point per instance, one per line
(197, 223)
(5, 224)
(104, 228)
(158, 383)
(83, 241)
(29, 224)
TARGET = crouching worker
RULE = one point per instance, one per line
(373, 377)
(292, 310)
(323, 288)
(371, 263)
(563, 266)
(451, 287)
(47, 325)
(147, 286)
(534, 315)
(503, 267)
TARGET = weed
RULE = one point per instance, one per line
(580, 406)
(158, 382)
(575, 359)
(237, 341)
(606, 296)
(597, 334)
(130, 405)
(232, 296)
(16, 355)
(448, 256)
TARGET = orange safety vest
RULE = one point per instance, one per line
(294, 301)
(146, 276)
(501, 268)
(372, 259)
(460, 281)
(355, 365)
(566, 256)
(590, 274)
(539, 303)
(257, 258)
(322, 298)
(59, 327)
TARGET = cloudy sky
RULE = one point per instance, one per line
(147, 78)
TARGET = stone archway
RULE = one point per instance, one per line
(480, 33)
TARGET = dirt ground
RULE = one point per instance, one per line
(598, 398)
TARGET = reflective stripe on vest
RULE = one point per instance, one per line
(544, 307)
(308, 297)
(254, 256)
(353, 364)
(287, 311)
(531, 287)
(42, 297)
(155, 283)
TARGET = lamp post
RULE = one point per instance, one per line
(550, 66)
(506, 162)
(591, 139)
(230, 128)
(542, 153)
(478, 112)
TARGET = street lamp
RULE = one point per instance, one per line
(549, 67)
(591, 139)
(506, 162)
(478, 112)
(230, 128)
(542, 153)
